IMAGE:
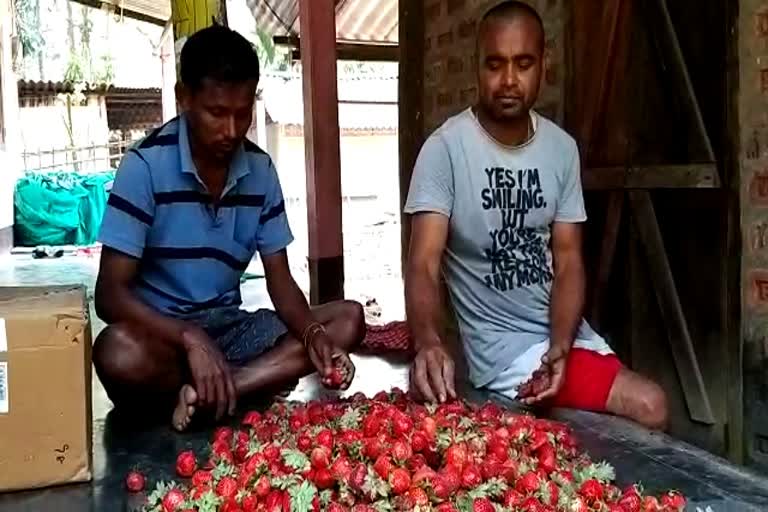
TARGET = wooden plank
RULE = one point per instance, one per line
(670, 46)
(322, 152)
(652, 176)
(347, 50)
(683, 353)
(411, 97)
(733, 246)
(607, 254)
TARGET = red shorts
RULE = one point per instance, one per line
(589, 377)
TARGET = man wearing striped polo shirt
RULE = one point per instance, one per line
(191, 205)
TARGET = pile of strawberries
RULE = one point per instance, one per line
(391, 454)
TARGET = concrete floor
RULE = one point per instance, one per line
(121, 443)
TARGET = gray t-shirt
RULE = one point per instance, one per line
(501, 202)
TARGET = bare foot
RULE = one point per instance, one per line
(185, 408)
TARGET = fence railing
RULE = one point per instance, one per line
(91, 158)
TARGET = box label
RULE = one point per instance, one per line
(4, 388)
(3, 336)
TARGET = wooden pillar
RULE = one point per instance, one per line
(321, 145)
(411, 103)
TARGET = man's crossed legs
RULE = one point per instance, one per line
(141, 373)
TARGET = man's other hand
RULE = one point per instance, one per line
(210, 372)
(547, 380)
(432, 374)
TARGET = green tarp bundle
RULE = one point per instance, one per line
(60, 208)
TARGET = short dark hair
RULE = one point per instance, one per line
(218, 53)
(510, 9)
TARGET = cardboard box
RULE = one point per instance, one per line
(45, 387)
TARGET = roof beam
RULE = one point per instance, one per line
(128, 13)
(347, 50)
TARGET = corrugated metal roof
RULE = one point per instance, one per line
(358, 21)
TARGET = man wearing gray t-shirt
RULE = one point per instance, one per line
(497, 205)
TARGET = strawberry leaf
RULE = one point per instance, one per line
(285, 482)
(254, 447)
(156, 496)
(382, 506)
(350, 420)
(221, 470)
(325, 497)
(208, 502)
(296, 460)
(302, 496)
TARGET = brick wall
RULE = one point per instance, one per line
(450, 60)
(753, 92)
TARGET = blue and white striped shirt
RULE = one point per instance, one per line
(192, 254)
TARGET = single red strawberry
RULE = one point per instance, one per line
(419, 441)
(491, 467)
(456, 455)
(374, 446)
(673, 500)
(471, 477)
(547, 458)
(173, 500)
(418, 497)
(316, 413)
(452, 477)
(227, 487)
(335, 507)
(274, 501)
(499, 448)
(252, 418)
(135, 481)
(489, 413)
(531, 504)
(512, 498)
(286, 501)
(446, 506)
(651, 504)
(402, 425)
(528, 484)
(416, 462)
(320, 458)
(230, 505)
(249, 503)
(631, 501)
(440, 487)
(323, 479)
(424, 473)
(383, 466)
(304, 443)
(223, 434)
(372, 424)
(400, 481)
(201, 478)
(357, 478)
(325, 438)
(592, 491)
(272, 453)
(401, 451)
(483, 505)
(186, 464)
(341, 468)
(337, 378)
(263, 487)
(539, 439)
(429, 426)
